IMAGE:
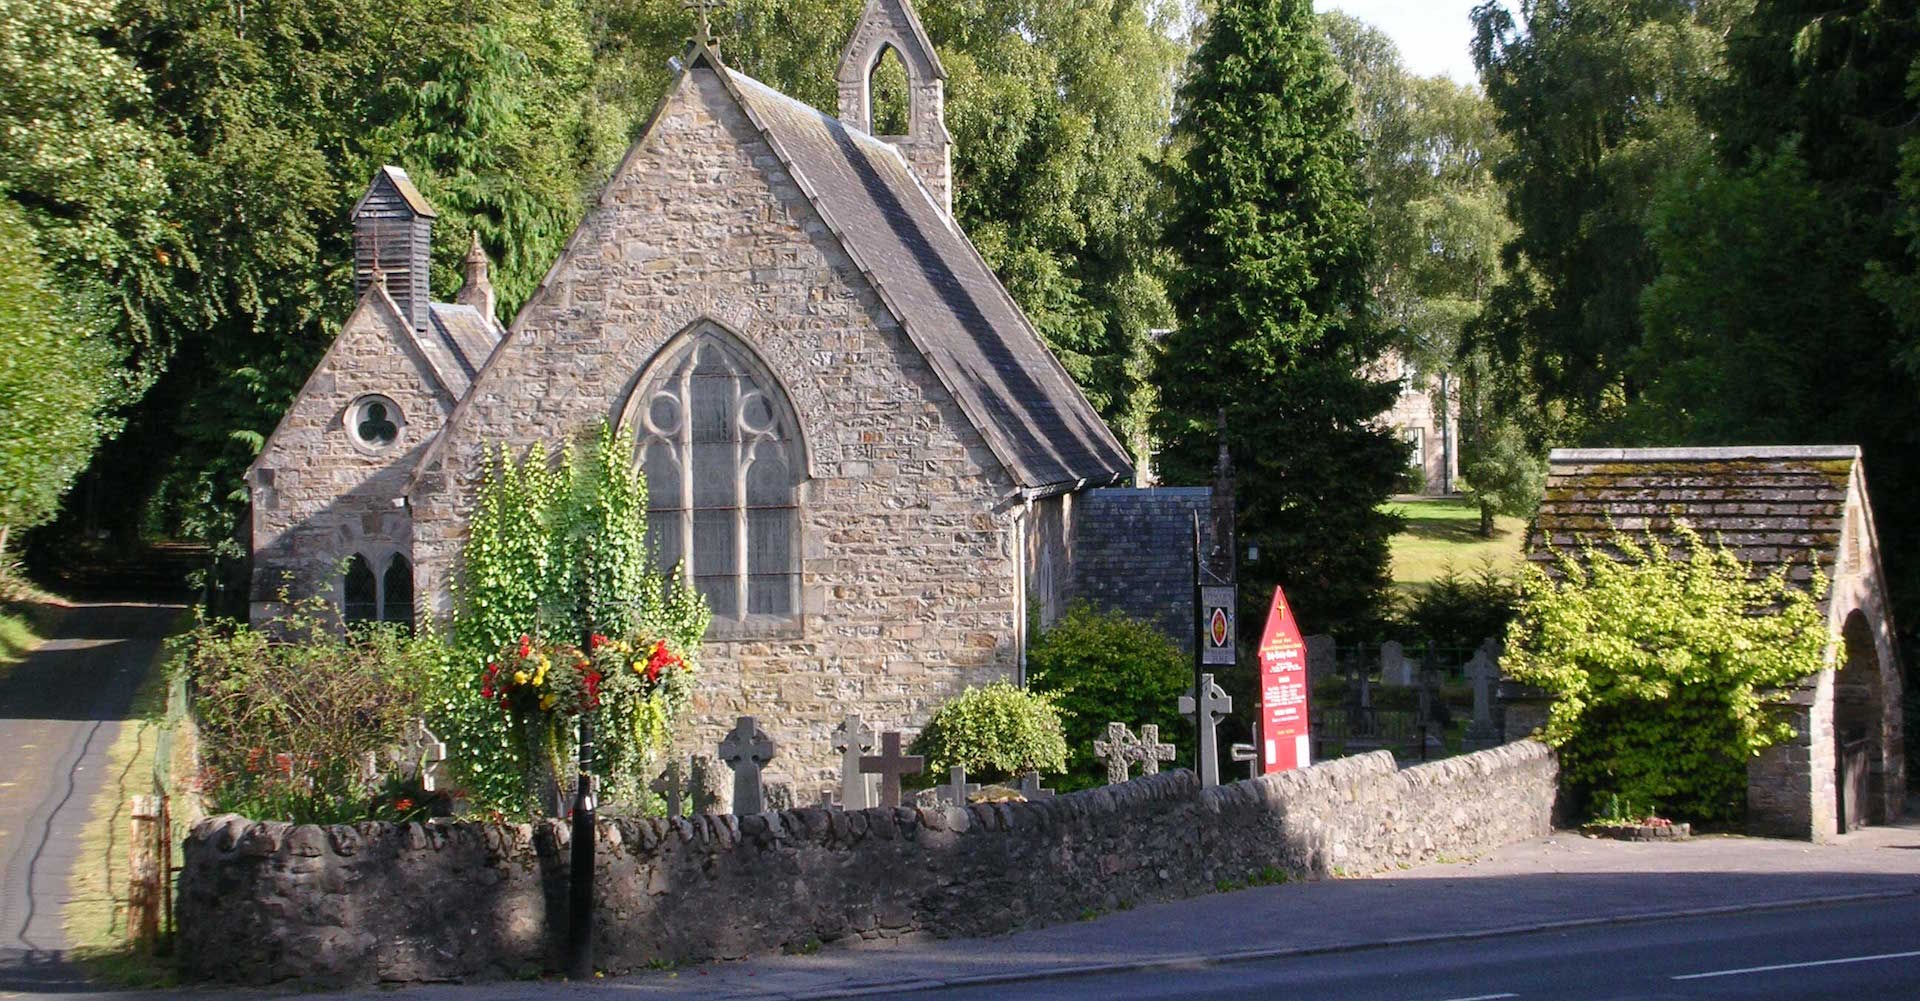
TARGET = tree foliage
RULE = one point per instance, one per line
(1275, 318)
(55, 366)
(1001, 730)
(1101, 667)
(1659, 667)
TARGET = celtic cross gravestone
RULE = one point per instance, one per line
(852, 738)
(1214, 706)
(747, 750)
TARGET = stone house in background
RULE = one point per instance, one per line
(857, 446)
(1426, 418)
(1798, 507)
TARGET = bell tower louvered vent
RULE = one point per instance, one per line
(393, 234)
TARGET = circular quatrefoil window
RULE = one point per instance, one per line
(374, 422)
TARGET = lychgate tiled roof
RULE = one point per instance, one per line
(952, 306)
(1770, 505)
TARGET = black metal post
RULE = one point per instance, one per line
(580, 878)
(1199, 647)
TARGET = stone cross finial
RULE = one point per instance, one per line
(1116, 751)
(670, 787)
(747, 750)
(851, 739)
(1214, 706)
(1149, 751)
(702, 11)
(890, 764)
(1031, 789)
(957, 787)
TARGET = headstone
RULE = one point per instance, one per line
(890, 764)
(1214, 705)
(957, 787)
(747, 750)
(1395, 669)
(1484, 674)
(852, 738)
(1248, 754)
(1116, 751)
(1322, 658)
(1149, 751)
(424, 753)
(1031, 789)
(671, 786)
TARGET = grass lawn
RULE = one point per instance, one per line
(1441, 531)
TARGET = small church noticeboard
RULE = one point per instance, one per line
(1284, 742)
(1217, 626)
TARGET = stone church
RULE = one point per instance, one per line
(857, 446)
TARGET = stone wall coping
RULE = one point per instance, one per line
(1721, 454)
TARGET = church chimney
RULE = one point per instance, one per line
(928, 148)
(393, 235)
(477, 290)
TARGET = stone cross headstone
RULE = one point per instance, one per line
(1322, 657)
(1484, 673)
(890, 764)
(852, 738)
(1149, 751)
(957, 787)
(1248, 754)
(1214, 705)
(427, 753)
(747, 750)
(1116, 751)
(671, 787)
(1031, 789)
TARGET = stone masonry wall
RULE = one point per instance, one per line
(909, 586)
(265, 902)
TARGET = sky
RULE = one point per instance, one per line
(1432, 34)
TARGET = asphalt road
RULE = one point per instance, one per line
(1861, 950)
(59, 713)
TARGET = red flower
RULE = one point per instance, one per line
(659, 660)
(593, 689)
(403, 804)
(596, 641)
(526, 646)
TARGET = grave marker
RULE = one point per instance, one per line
(957, 787)
(890, 764)
(1213, 706)
(1249, 754)
(1149, 751)
(670, 787)
(747, 750)
(1031, 789)
(852, 738)
(1116, 751)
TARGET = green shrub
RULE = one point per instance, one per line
(1658, 668)
(553, 552)
(1103, 667)
(288, 715)
(1462, 612)
(997, 732)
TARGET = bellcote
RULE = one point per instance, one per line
(928, 148)
(393, 237)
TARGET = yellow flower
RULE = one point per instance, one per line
(547, 701)
(519, 677)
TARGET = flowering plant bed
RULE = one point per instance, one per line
(1648, 829)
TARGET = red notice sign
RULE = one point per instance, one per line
(1284, 743)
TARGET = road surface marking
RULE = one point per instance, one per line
(1798, 966)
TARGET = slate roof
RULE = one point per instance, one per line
(457, 341)
(1133, 551)
(935, 283)
(1770, 505)
(403, 185)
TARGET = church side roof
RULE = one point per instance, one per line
(1772, 506)
(943, 293)
(458, 340)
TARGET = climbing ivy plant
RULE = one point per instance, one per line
(1660, 664)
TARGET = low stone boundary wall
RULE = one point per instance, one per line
(263, 902)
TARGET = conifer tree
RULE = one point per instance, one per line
(1275, 320)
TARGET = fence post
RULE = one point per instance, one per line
(143, 873)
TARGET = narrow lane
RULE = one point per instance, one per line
(60, 710)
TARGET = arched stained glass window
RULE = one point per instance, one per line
(396, 592)
(362, 598)
(717, 443)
